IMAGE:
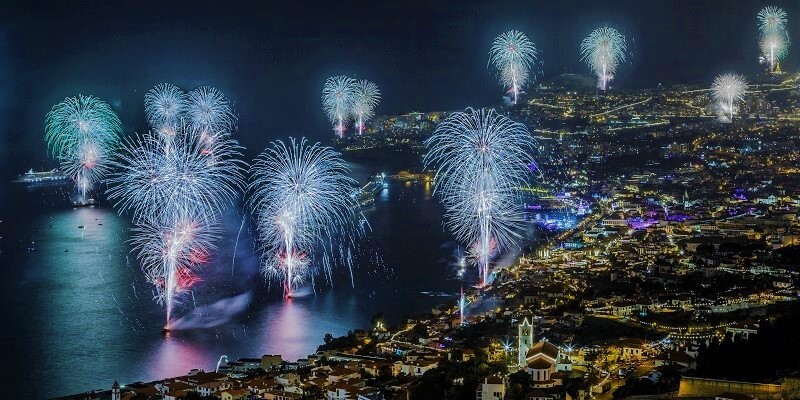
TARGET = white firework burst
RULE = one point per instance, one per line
(603, 50)
(301, 197)
(366, 98)
(164, 106)
(513, 56)
(727, 90)
(771, 20)
(209, 114)
(176, 183)
(171, 252)
(188, 179)
(337, 101)
(481, 158)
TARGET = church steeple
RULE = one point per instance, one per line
(115, 394)
(525, 341)
(685, 198)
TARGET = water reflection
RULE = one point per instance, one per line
(289, 327)
(175, 355)
(286, 329)
(81, 295)
(428, 189)
(84, 300)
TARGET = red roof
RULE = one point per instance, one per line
(545, 348)
(540, 364)
(494, 379)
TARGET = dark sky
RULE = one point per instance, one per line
(272, 57)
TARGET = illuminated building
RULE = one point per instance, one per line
(525, 341)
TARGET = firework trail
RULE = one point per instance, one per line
(338, 96)
(170, 252)
(82, 132)
(774, 48)
(774, 39)
(481, 157)
(603, 50)
(728, 89)
(513, 56)
(462, 302)
(176, 185)
(302, 200)
(236, 242)
(365, 100)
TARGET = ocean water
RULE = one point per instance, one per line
(79, 313)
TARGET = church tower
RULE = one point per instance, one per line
(525, 341)
(685, 199)
(115, 395)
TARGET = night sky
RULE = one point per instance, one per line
(271, 58)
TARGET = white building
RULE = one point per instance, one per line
(545, 363)
(633, 348)
(492, 388)
(115, 395)
(417, 368)
(743, 329)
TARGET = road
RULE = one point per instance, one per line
(644, 369)
(393, 339)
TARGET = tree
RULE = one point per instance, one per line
(313, 392)
(635, 386)
(419, 330)
(377, 320)
(723, 359)
(706, 248)
(518, 385)
(385, 372)
(328, 338)
(432, 385)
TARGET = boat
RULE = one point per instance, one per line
(41, 177)
(366, 199)
(366, 195)
(90, 202)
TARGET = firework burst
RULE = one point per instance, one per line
(481, 157)
(771, 20)
(366, 98)
(774, 39)
(176, 185)
(82, 132)
(209, 115)
(176, 195)
(300, 195)
(727, 90)
(188, 179)
(164, 106)
(338, 96)
(513, 56)
(603, 50)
